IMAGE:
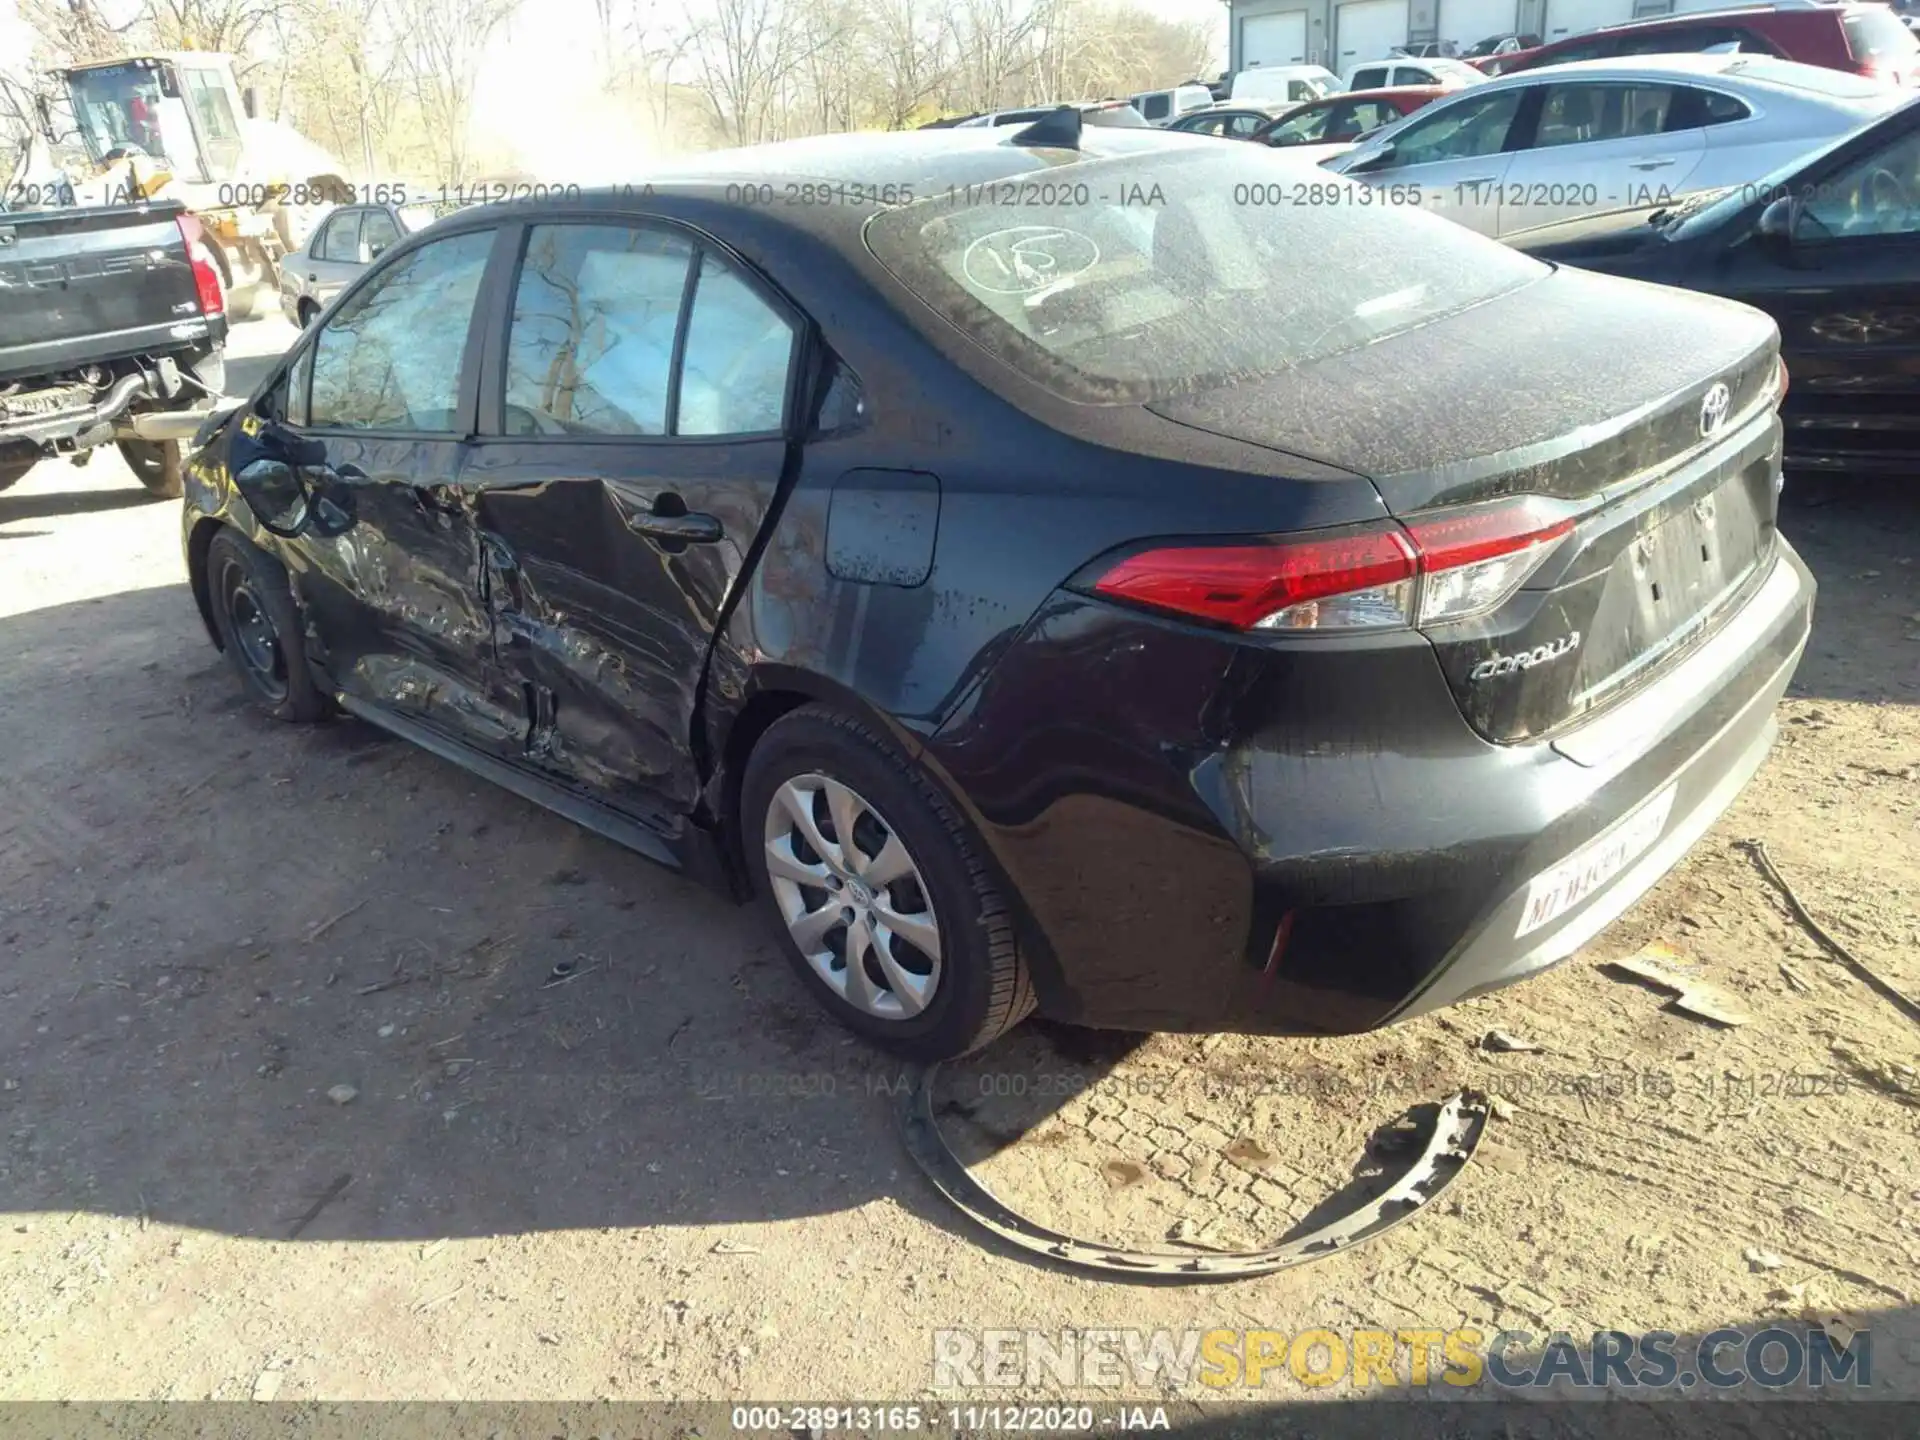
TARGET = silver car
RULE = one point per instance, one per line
(343, 244)
(1565, 140)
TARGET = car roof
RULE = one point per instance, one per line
(875, 170)
(1735, 67)
(1388, 92)
(1655, 22)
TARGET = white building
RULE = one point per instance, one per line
(1342, 33)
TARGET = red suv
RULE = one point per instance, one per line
(1868, 39)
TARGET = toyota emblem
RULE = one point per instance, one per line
(1714, 408)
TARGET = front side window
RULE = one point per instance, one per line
(733, 376)
(1464, 130)
(341, 239)
(1368, 115)
(1110, 303)
(1156, 107)
(1371, 79)
(1303, 128)
(594, 319)
(390, 359)
(1579, 114)
(1876, 195)
(1241, 126)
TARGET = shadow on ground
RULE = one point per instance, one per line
(214, 922)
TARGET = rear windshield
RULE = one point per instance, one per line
(1133, 279)
(1877, 34)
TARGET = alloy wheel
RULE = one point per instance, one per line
(852, 897)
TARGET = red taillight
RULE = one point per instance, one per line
(1431, 570)
(206, 275)
(1246, 585)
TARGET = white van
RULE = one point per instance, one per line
(1285, 84)
(1161, 107)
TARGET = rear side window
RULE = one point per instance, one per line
(1580, 114)
(1719, 109)
(594, 318)
(733, 379)
(1110, 303)
(378, 231)
(390, 359)
(1155, 107)
(1875, 33)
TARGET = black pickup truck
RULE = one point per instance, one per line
(112, 328)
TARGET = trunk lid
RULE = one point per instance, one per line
(1588, 389)
(88, 285)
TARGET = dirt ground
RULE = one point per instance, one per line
(661, 1174)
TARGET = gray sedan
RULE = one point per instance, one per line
(342, 245)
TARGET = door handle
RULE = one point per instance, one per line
(685, 529)
(1650, 164)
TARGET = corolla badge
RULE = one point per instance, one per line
(1540, 654)
(1714, 407)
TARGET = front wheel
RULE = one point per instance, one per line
(879, 890)
(156, 465)
(260, 629)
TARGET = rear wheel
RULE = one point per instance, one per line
(260, 629)
(156, 465)
(308, 312)
(878, 889)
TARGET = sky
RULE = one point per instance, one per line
(541, 54)
(534, 69)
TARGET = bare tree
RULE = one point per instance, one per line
(744, 54)
(912, 51)
(440, 45)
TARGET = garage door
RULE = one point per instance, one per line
(1368, 30)
(1274, 39)
(1576, 17)
(1468, 22)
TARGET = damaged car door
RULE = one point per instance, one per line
(379, 404)
(633, 440)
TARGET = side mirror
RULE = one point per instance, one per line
(250, 102)
(291, 501)
(274, 492)
(1777, 223)
(1373, 160)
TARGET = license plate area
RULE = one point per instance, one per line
(1590, 869)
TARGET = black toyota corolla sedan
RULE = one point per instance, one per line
(1103, 571)
(1829, 246)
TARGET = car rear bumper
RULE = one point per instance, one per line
(1206, 835)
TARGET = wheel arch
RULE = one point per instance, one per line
(731, 728)
(199, 541)
(771, 691)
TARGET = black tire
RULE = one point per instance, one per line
(308, 312)
(260, 629)
(156, 465)
(12, 469)
(984, 988)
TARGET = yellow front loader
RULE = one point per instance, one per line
(176, 126)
